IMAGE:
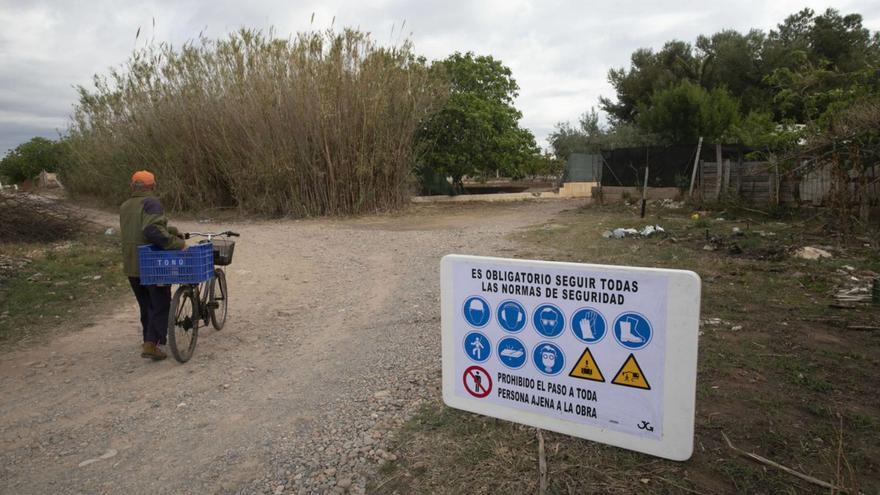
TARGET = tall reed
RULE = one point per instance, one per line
(320, 123)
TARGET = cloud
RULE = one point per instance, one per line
(559, 51)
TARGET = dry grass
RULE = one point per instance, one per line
(320, 123)
(778, 372)
(32, 218)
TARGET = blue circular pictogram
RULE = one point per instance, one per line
(548, 358)
(588, 325)
(632, 330)
(512, 353)
(477, 347)
(511, 316)
(548, 320)
(477, 311)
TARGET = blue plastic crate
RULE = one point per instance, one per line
(161, 267)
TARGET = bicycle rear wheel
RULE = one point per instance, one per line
(219, 299)
(183, 324)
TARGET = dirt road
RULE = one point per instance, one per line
(332, 339)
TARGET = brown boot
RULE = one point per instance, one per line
(150, 350)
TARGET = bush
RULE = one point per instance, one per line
(27, 160)
(321, 123)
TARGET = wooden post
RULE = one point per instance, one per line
(694, 173)
(719, 172)
(726, 176)
(645, 192)
(542, 465)
(775, 179)
(739, 174)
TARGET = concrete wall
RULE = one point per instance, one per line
(577, 189)
(615, 194)
(569, 190)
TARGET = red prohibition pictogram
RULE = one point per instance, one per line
(477, 382)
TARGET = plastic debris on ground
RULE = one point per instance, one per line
(670, 203)
(811, 253)
(620, 233)
(650, 230)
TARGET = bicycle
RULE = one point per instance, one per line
(201, 302)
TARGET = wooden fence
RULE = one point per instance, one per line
(758, 182)
(753, 182)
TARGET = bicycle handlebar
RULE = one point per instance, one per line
(209, 235)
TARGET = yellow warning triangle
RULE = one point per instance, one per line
(586, 368)
(631, 375)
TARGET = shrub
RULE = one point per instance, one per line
(28, 159)
(320, 123)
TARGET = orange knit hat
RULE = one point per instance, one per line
(144, 177)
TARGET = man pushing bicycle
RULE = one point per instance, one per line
(142, 221)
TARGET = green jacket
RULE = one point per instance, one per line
(142, 221)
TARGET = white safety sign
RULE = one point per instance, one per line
(606, 353)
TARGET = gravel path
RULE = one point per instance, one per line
(333, 339)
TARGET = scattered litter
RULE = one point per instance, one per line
(811, 253)
(670, 203)
(621, 233)
(110, 231)
(708, 247)
(848, 268)
(650, 230)
(695, 216)
(646, 231)
(738, 232)
(719, 219)
(736, 327)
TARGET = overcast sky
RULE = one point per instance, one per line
(559, 51)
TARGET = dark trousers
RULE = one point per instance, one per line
(154, 301)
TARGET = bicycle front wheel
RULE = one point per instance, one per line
(183, 324)
(219, 299)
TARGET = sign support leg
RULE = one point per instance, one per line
(542, 464)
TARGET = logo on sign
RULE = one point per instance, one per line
(588, 325)
(477, 311)
(511, 316)
(631, 375)
(587, 368)
(548, 320)
(512, 353)
(548, 358)
(632, 330)
(477, 382)
(477, 346)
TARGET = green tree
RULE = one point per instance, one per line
(788, 71)
(683, 113)
(545, 165)
(732, 60)
(476, 132)
(28, 159)
(589, 136)
(648, 73)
